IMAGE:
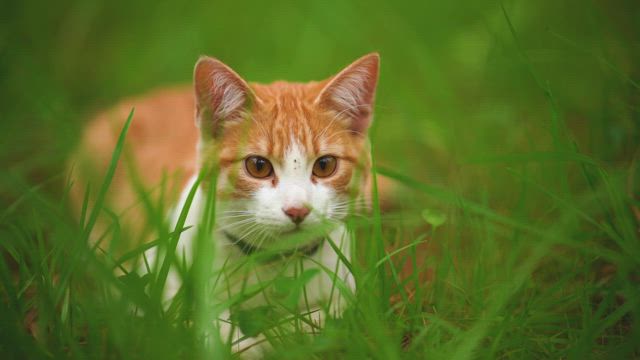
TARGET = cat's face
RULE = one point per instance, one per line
(291, 157)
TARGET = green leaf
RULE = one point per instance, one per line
(289, 289)
(434, 218)
(253, 321)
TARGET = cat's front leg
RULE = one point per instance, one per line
(340, 286)
(336, 295)
(315, 318)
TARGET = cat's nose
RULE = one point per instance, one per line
(297, 214)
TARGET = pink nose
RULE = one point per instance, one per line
(297, 214)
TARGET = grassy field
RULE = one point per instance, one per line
(511, 130)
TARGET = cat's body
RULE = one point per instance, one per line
(285, 160)
(323, 294)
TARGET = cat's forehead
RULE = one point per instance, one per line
(286, 117)
(284, 92)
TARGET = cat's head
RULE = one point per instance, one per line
(290, 156)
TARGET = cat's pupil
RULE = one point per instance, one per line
(323, 164)
(259, 164)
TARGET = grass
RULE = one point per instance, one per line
(511, 131)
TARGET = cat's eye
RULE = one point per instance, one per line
(258, 167)
(325, 166)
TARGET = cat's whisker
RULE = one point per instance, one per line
(236, 213)
(350, 108)
(239, 216)
(253, 237)
(244, 236)
(354, 205)
(236, 224)
(262, 236)
(350, 203)
(223, 215)
(324, 130)
(336, 117)
(233, 212)
(250, 231)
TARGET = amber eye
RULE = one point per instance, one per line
(258, 167)
(325, 166)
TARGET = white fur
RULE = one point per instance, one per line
(232, 95)
(260, 220)
(349, 92)
(294, 189)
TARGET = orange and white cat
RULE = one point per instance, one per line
(290, 160)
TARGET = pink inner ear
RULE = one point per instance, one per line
(351, 93)
(220, 93)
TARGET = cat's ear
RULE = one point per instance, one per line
(221, 95)
(351, 93)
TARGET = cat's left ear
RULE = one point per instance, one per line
(351, 93)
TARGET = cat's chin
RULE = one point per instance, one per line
(297, 235)
(301, 230)
(292, 230)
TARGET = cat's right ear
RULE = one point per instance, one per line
(221, 96)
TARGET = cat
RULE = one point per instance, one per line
(287, 162)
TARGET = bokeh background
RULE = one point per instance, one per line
(530, 109)
(455, 82)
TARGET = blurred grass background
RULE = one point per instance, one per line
(517, 120)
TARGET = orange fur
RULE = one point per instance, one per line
(160, 143)
(162, 139)
(287, 110)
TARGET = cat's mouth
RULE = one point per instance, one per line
(295, 229)
(270, 255)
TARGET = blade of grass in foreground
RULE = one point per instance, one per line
(171, 249)
(100, 199)
(97, 207)
(378, 251)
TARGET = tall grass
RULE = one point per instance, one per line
(510, 132)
